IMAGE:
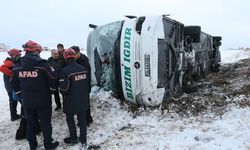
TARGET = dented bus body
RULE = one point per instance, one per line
(150, 57)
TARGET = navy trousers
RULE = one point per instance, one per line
(81, 117)
(57, 98)
(13, 105)
(44, 115)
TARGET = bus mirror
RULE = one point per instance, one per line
(93, 26)
(131, 17)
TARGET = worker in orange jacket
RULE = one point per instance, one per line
(6, 69)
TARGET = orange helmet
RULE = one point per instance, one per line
(14, 51)
(69, 53)
(32, 46)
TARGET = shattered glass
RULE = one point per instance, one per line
(106, 78)
(103, 40)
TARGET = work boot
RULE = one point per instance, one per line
(15, 117)
(83, 141)
(20, 134)
(52, 146)
(33, 146)
(21, 131)
(71, 140)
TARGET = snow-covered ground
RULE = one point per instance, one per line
(231, 56)
(116, 127)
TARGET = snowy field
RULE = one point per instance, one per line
(232, 56)
(116, 128)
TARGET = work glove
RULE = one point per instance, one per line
(16, 97)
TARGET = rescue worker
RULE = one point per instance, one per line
(74, 85)
(33, 78)
(57, 63)
(83, 60)
(6, 69)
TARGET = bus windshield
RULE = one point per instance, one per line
(103, 44)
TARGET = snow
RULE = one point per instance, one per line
(117, 127)
(232, 56)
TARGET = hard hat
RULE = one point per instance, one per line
(14, 51)
(32, 46)
(69, 53)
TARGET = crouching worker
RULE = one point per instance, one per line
(33, 78)
(74, 85)
(22, 129)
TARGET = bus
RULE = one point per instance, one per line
(146, 60)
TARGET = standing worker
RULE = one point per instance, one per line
(83, 60)
(60, 49)
(33, 78)
(57, 63)
(6, 69)
(74, 85)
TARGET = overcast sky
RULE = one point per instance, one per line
(50, 22)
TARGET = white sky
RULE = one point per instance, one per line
(50, 22)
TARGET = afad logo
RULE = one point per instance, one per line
(80, 77)
(28, 74)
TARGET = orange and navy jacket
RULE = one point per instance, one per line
(6, 67)
(74, 85)
(34, 79)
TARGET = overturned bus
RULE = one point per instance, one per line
(145, 60)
